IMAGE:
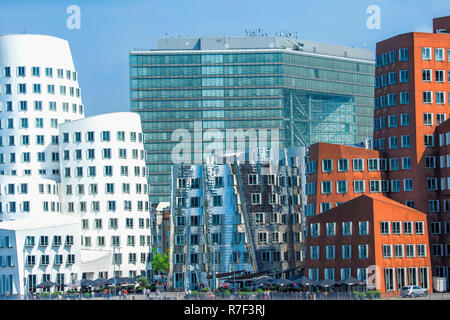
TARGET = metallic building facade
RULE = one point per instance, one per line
(243, 217)
(310, 92)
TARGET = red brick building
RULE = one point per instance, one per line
(370, 230)
(338, 173)
(411, 101)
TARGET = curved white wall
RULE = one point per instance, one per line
(35, 114)
(84, 138)
(21, 197)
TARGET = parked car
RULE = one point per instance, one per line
(413, 291)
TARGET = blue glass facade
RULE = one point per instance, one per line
(308, 97)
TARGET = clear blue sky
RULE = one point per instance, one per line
(111, 28)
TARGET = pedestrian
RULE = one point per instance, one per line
(104, 294)
(125, 292)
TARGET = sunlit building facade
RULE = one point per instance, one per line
(309, 92)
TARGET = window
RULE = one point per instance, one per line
(437, 250)
(372, 164)
(433, 205)
(359, 186)
(315, 230)
(407, 227)
(384, 227)
(346, 252)
(389, 279)
(262, 237)
(330, 252)
(398, 251)
(326, 187)
(327, 165)
(426, 53)
(385, 57)
(392, 78)
(427, 119)
(341, 186)
(259, 218)
(396, 227)
(358, 164)
(346, 228)
(374, 185)
(256, 198)
(363, 228)
(439, 75)
(426, 75)
(429, 140)
(363, 251)
(325, 206)
(29, 241)
(331, 229)
(392, 121)
(311, 167)
(57, 241)
(427, 97)
(393, 142)
(404, 76)
(440, 97)
(392, 56)
(419, 227)
(406, 141)
(440, 118)
(252, 179)
(421, 250)
(404, 97)
(105, 136)
(314, 252)
(439, 54)
(410, 251)
(342, 165)
(218, 182)
(31, 261)
(430, 162)
(404, 120)
(387, 251)
(346, 273)
(408, 184)
(435, 228)
(217, 201)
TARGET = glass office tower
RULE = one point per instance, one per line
(310, 92)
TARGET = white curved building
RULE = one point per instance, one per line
(38, 91)
(21, 197)
(103, 183)
(39, 248)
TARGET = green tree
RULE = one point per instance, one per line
(144, 282)
(160, 262)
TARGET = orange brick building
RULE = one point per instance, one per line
(411, 101)
(370, 230)
(338, 173)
